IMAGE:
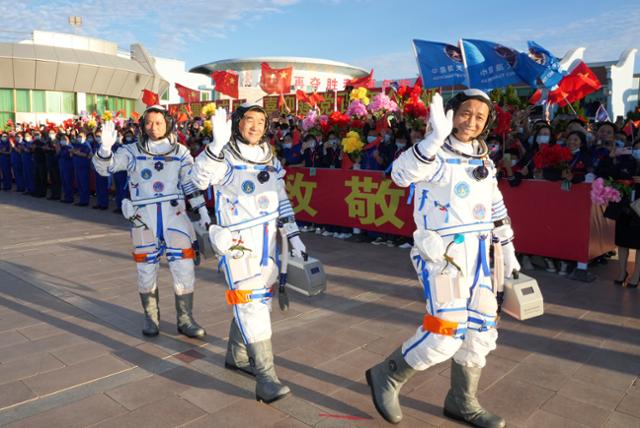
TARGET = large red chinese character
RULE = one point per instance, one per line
(315, 83)
(332, 84)
(298, 82)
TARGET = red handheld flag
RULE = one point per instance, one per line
(581, 82)
(226, 83)
(188, 95)
(301, 96)
(150, 98)
(275, 80)
(361, 82)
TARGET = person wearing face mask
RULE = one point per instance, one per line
(627, 232)
(26, 152)
(458, 211)
(82, 152)
(5, 161)
(159, 170)
(52, 150)
(16, 161)
(102, 182)
(370, 158)
(251, 204)
(120, 177)
(39, 166)
(580, 164)
(605, 147)
(65, 165)
(331, 151)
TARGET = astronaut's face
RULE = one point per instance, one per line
(155, 125)
(252, 126)
(470, 119)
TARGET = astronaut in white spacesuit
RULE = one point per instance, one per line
(250, 204)
(159, 175)
(458, 211)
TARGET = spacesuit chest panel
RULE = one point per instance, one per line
(154, 176)
(251, 192)
(457, 199)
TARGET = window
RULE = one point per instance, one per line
(91, 103)
(54, 102)
(204, 96)
(23, 100)
(101, 104)
(38, 101)
(69, 103)
(6, 100)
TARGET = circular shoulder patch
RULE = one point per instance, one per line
(158, 186)
(479, 212)
(248, 186)
(462, 189)
(145, 173)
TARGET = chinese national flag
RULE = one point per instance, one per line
(575, 86)
(275, 80)
(315, 98)
(362, 82)
(188, 95)
(537, 96)
(226, 83)
(150, 98)
(302, 96)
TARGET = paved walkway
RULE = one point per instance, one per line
(71, 352)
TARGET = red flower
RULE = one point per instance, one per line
(554, 156)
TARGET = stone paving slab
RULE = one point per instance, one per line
(71, 353)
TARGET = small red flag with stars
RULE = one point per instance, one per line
(275, 80)
(226, 83)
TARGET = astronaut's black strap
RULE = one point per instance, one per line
(211, 155)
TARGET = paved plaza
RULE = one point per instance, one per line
(72, 355)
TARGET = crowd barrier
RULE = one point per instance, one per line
(547, 220)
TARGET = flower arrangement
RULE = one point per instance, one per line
(208, 110)
(360, 94)
(554, 157)
(310, 120)
(357, 109)
(382, 104)
(106, 116)
(352, 145)
(603, 193)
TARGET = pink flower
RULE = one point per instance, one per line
(382, 102)
(310, 120)
(356, 108)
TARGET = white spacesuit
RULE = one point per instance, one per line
(159, 172)
(250, 204)
(458, 211)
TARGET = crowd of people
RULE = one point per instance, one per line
(53, 160)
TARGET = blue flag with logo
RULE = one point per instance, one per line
(490, 65)
(539, 67)
(440, 64)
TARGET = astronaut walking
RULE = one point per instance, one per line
(250, 203)
(458, 211)
(159, 174)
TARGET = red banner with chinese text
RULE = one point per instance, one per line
(364, 199)
(547, 221)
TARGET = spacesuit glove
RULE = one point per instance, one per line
(511, 263)
(441, 125)
(221, 131)
(430, 245)
(297, 247)
(205, 220)
(108, 138)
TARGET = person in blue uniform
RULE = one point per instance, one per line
(52, 150)
(27, 162)
(65, 165)
(102, 182)
(81, 159)
(5, 161)
(16, 162)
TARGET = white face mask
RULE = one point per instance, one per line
(387, 138)
(401, 145)
(520, 130)
(205, 141)
(287, 145)
(371, 139)
(620, 144)
(514, 162)
(636, 154)
(560, 142)
(542, 139)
